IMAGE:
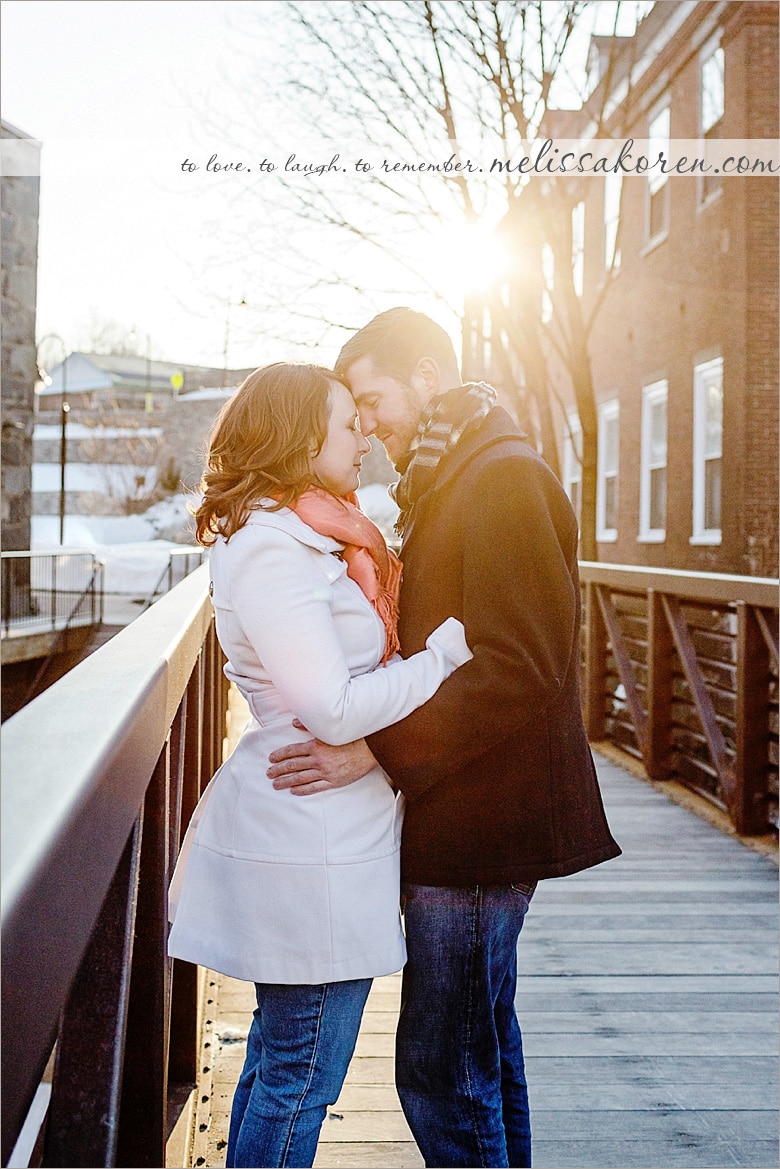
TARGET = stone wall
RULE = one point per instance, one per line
(18, 372)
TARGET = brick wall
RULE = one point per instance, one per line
(759, 534)
(709, 288)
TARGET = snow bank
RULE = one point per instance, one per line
(135, 548)
(379, 506)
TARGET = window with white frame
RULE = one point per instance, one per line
(548, 276)
(613, 184)
(707, 451)
(607, 485)
(578, 247)
(572, 463)
(657, 182)
(652, 478)
(711, 107)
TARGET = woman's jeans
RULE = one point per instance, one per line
(297, 1053)
(459, 1054)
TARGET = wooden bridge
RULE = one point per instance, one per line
(647, 993)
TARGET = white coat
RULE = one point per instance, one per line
(272, 887)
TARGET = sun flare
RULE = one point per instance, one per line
(469, 258)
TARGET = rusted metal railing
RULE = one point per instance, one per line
(681, 670)
(100, 776)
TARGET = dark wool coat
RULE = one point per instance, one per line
(496, 767)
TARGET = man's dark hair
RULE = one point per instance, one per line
(396, 340)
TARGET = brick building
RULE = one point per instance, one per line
(684, 349)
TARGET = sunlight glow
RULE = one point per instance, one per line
(468, 258)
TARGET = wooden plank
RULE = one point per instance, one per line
(686, 1152)
(701, 586)
(638, 717)
(575, 1022)
(657, 1124)
(594, 673)
(644, 1069)
(767, 622)
(659, 689)
(752, 723)
(648, 1000)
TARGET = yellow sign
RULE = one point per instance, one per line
(177, 380)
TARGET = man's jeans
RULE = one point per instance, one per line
(298, 1050)
(459, 1053)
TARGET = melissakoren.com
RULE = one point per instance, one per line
(651, 157)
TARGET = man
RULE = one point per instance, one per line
(499, 781)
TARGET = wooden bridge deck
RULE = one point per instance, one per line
(647, 999)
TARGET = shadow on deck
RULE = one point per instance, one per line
(648, 1003)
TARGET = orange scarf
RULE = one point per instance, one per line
(370, 563)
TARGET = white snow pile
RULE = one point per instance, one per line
(136, 548)
(379, 506)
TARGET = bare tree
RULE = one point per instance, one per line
(430, 91)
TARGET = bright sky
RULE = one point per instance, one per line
(124, 245)
(124, 236)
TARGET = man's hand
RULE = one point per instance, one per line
(314, 766)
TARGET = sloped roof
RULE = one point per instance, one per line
(129, 371)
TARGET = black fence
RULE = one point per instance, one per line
(47, 591)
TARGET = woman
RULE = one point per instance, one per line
(299, 896)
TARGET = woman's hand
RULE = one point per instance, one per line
(314, 766)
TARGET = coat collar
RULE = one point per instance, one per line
(285, 520)
(497, 427)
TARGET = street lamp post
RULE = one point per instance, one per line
(64, 411)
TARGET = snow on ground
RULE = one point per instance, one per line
(116, 480)
(74, 430)
(379, 506)
(136, 548)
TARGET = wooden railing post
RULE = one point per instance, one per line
(595, 673)
(752, 727)
(660, 648)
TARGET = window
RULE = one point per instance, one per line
(578, 247)
(548, 275)
(613, 184)
(607, 487)
(707, 451)
(652, 481)
(657, 181)
(572, 463)
(711, 107)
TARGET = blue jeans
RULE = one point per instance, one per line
(459, 1054)
(297, 1053)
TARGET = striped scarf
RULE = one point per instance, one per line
(443, 423)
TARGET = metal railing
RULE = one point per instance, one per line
(44, 591)
(101, 774)
(681, 670)
(181, 562)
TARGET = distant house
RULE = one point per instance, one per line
(684, 349)
(127, 382)
(135, 428)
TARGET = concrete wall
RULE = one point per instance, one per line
(18, 371)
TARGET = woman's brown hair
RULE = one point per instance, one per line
(261, 445)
